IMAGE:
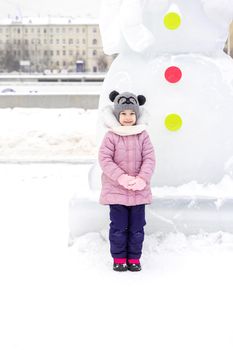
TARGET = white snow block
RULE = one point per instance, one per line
(86, 215)
(189, 215)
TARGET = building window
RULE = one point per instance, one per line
(57, 63)
(94, 30)
(45, 31)
(63, 30)
(18, 31)
(51, 41)
(57, 41)
(18, 41)
(38, 30)
(51, 30)
(25, 30)
(64, 41)
(84, 52)
(58, 53)
(94, 69)
(57, 30)
(77, 30)
(94, 52)
(64, 63)
(51, 52)
(70, 29)
(64, 52)
(94, 42)
(45, 52)
(71, 52)
(84, 30)
(71, 41)
(84, 41)
(77, 41)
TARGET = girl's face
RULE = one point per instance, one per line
(127, 117)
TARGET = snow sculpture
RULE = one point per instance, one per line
(172, 52)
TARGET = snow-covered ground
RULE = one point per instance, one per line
(54, 296)
(42, 134)
(59, 297)
(46, 88)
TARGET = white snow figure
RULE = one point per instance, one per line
(172, 52)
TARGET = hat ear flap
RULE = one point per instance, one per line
(141, 100)
(113, 95)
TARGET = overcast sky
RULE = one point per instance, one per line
(51, 7)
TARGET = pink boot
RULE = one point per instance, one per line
(119, 264)
(134, 265)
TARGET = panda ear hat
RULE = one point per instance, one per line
(141, 100)
(113, 95)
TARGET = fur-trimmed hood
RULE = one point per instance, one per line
(112, 124)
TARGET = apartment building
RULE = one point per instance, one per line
(55, 44)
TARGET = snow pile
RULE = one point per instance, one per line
(43, 134)
(155, 246)
(193, 189)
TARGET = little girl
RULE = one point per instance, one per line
(127, 159)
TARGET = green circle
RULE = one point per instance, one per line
(173, 122)
(172, 20)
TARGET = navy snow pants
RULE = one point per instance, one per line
(126, 232)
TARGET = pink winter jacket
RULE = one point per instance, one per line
(132, 154)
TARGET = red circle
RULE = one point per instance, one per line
(173, 74)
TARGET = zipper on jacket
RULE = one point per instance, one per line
(135, 145)
(127, 142)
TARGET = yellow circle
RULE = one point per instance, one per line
(172, 20)
(173, 122)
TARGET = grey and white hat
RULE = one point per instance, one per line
(126, 100)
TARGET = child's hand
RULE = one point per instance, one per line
(127, 181)
(139, 185)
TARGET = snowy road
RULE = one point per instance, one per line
(50, 88)
(55, 297)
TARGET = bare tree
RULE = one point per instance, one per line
(10, 62)
(102, 63)
(2, 61)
